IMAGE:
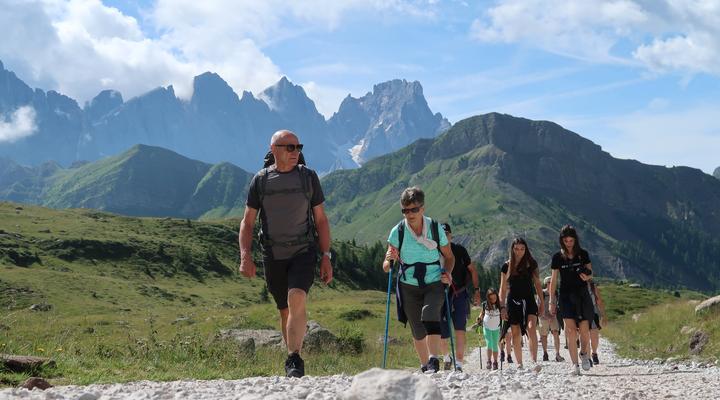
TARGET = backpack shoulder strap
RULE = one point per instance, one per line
(306, 181)
(263, 174)
(435, 233)
(401, 235)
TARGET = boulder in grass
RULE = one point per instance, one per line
(41, 307)
(318, 338)
(258, 337)
(710, 304)
(38, 383)
(24, 363)
(698, 341)
(385, 384)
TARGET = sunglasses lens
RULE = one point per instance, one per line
(292, 147)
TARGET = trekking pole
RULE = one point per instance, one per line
(481, 365)
(387, 314)
(450, 326)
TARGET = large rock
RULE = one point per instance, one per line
(698, 341)
(318, 338)
(34, 382)
(392, 384)
(41, 307)
(24, 363)
(258, 337)
(708, 305)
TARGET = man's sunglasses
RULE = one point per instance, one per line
(291, 147)
(413, 210)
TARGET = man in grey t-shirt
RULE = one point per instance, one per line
(289, 200)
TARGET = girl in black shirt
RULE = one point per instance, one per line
(573, 268)
(519, 274)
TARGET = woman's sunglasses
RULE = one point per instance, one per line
(291, 147)
(413, 210)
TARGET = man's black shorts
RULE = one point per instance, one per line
(297, 272)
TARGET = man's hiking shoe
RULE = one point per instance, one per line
(576, 369)
(585, 362)
(502, 355)
(595, 359)
(294, 366)
(433, 365)
(494, 365)
(559, 358)
(509, 359)
(546, 357)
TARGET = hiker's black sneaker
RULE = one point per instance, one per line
(546, 357)
(294, 366)
(433, 365)
(595, 359)
(509, 359)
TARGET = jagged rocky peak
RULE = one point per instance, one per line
(717, 173)
(399, 86)
(103, 103)
(209, 89)
(285, 96)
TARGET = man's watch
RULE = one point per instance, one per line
(328, 254)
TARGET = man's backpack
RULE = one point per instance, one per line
(306, 187)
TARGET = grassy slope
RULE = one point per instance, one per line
(647, 323)
(121, 318)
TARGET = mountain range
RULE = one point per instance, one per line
(216, 125)
(492, 177)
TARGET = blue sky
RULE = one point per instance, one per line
(638, 77)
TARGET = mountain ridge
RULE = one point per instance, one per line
(214, 124)
(495, 176)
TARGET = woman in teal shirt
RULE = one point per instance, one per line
(423, 250)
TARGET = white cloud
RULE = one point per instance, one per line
(18, 125)
(667, 35)
(80, 47)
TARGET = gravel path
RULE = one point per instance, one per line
(614, 378)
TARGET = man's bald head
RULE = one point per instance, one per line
(278, 136)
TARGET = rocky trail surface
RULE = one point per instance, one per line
(614, 378)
